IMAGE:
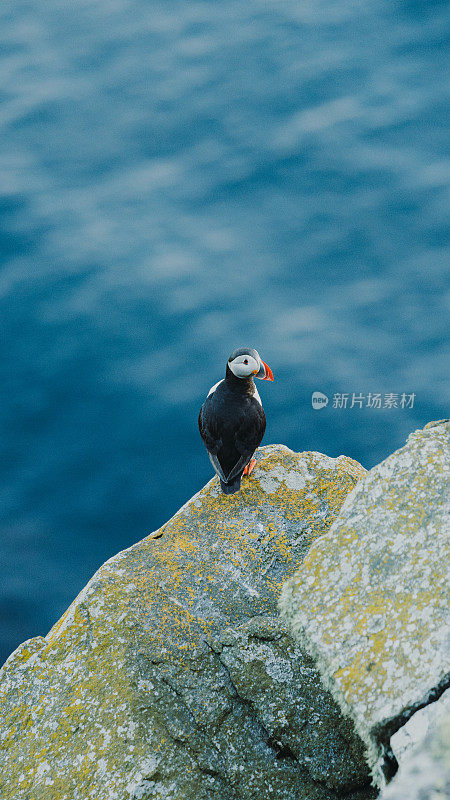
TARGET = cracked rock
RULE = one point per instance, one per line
(135, 693)
(282, 685)
(424, 772)
(370, 602)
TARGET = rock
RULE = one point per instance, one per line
(282, 686)
(424, 772)
(138, 693)
(412, 735)
(370, 601)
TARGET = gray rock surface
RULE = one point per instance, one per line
(282, 686)
(424, 772)
(371, 601)
(138, 693)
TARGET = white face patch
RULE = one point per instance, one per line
(243, 366)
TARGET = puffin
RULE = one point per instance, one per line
(232, 420)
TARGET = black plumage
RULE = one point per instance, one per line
(232, 424)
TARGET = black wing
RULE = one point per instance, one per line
(229, 457)
(248, 437)
(209, 433)
(251, 430)
(212, 440)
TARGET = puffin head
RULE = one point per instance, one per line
(245, 362)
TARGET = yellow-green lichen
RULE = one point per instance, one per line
(370, 600)
(86, 710)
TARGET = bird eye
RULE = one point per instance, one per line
(245, 361)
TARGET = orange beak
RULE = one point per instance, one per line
(269, 374)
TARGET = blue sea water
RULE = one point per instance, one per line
(181, 178)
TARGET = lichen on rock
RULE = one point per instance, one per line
(282, 685)
(130, 695)
(370, 601)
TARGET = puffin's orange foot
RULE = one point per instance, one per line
(249, 467)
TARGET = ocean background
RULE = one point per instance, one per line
(178, 179)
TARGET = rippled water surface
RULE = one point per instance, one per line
(181, 178)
